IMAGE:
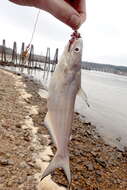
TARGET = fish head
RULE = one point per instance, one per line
(73, 53)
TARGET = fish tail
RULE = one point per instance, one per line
(59, 161)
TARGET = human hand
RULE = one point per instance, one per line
(71, 12)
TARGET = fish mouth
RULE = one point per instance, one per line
(74, 36)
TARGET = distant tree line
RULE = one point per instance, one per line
(105, 68)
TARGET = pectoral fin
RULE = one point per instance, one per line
(83, 94)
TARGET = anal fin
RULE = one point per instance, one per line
(83, 94)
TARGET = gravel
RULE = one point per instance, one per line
(94, 164)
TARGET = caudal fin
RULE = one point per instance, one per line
(59, 161)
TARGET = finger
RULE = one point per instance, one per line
(82, 9)
(63, 11)
(80, 6)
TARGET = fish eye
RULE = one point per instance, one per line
(76, 50)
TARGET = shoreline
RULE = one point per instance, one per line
(94, 164)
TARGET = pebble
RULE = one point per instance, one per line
(118, 139)
(23, 165)
(98, 173)
(95, 154)
(31, 148)
(9, 183)
(6, 162)
(101, 162)
(125, 148)
(29, 178)
(89, 166)
(99, 179)
(8, 155)
(10, 162)
(21, 180)
(27, 138)
(12, 138)
(31, 164)
(18, 125)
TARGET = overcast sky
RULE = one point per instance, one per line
(104, 33)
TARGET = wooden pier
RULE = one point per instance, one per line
(27, 58)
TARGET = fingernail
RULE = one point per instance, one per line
(75, 21)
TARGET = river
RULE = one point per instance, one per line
(107, 94)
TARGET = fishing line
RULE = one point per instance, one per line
(34, 28)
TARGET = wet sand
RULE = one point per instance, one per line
(26, 147)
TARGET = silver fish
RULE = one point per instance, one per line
(63, 88)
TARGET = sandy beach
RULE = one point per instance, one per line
(26, 147)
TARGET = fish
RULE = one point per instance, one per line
(63, 88)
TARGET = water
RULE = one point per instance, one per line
(36, 74)
(107, 95)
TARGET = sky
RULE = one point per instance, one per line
(104, 33)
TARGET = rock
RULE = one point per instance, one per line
(98, 173)
(6, 162)
(88, 123)
(21, 180)
(8, 155)
(10, 162)
(18, 125)
(88, 132)
(118, 139)
(31, 164)
(23, 165)
(95, 154)
(89, 166)
(31, 148)
(76, 113)
(9, 183)
(99, 179)
(27, 138)
(125, 148)
(101, 162)
(2, 174)
(18, 74)
(29, 178)
(40, 131)
(27, 135)
(82, 118)
(85, 175)
(12, 138)
(113, 181)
